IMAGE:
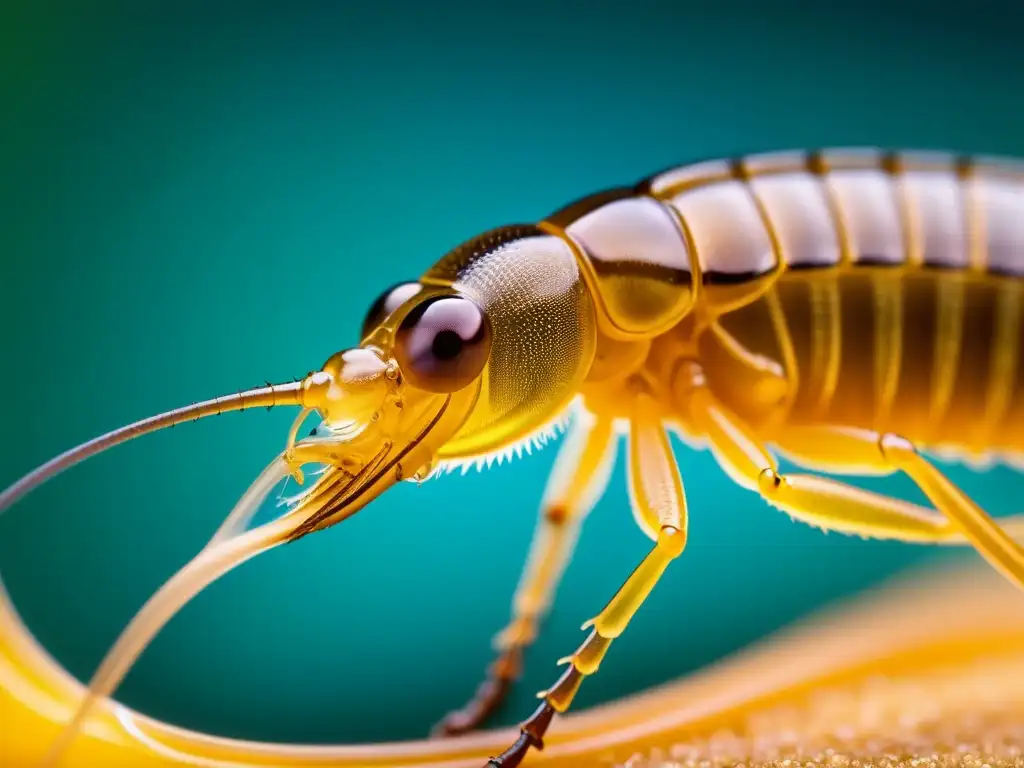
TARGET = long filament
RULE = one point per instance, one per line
(293, 433)
(249, 504)
(289, 450)
(228, 549)
(278, 394)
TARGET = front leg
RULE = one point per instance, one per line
(659, 505)
(578, 480)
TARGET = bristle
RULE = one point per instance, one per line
(539, 439)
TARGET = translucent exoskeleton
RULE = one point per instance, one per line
(853, 310)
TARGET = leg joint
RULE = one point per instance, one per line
(557, 514)
(671, 541)
(768, 482)
(896, 450)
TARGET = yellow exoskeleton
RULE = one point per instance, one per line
(851, 310)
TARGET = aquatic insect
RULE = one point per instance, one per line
(849, 309)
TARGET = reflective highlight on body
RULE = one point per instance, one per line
(819, 306)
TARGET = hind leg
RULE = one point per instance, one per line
(579, 478)
(837, 506)
(991, 541)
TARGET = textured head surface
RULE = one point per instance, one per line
(542, 316)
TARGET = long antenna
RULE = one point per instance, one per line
(269, 396)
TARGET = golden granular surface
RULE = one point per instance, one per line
(971, 717)
(926, 673)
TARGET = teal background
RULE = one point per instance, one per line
(198, 197)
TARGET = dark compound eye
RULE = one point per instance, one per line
(387, 303)
(443, 343)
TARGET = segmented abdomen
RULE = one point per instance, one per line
(901, 302)
(859, 207)
(886, 285)
(718, 232)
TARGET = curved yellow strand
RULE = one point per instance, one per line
(924, 669)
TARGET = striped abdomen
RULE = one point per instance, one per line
(720, 232)
(886, 286)
(934, 355)
(932, 349)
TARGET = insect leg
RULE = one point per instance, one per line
(658, 502)
(834, 505)
(837, 450)
(580, 476)
(991, 541)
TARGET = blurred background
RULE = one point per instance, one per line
(198, 197)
